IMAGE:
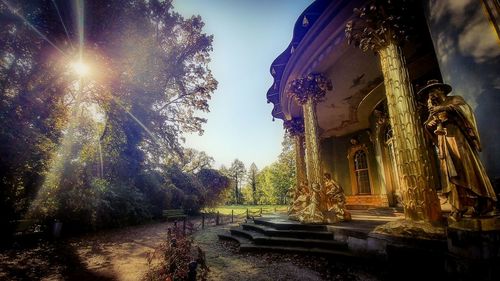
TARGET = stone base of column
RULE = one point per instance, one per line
(474, 248)
(322, 217)
(334, 217)
(412, 229)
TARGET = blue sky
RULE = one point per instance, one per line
(248, 36)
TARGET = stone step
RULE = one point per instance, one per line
(239, 239)
(344, 254)
(282, 224)
(262, 239)
(303, 234)
(357, 229)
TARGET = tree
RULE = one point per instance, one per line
(194, 161)
(276, 179)
(215, 184)
(268, 191)
(237, 172)
(163, 78)
(151, 81)
(32, 111)
(283, 171)
(252, 178)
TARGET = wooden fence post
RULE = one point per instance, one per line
(217, 219)
(261, 211)
(232, 215)
(202, 220)
(247, 214)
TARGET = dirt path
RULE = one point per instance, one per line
(226, 263)
(121, 255)
(108, 255)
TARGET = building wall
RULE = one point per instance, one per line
(334, 157)
(335, 161)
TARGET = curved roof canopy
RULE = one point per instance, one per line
(302, 25)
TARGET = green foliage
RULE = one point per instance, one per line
(215, 183)
(268, 190)
(237, 173)
(274, 181)
(156, 189)
(192, 161)
(59, 159)
(31, 112)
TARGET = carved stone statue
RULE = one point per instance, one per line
(453, 126)
(335, 198)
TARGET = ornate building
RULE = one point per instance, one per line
(345, 88)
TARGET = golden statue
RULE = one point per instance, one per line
(312, 212)
(300, 201)
(465, 182)
(335, 198)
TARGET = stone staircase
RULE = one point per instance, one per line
(281, 235)
(352, 241)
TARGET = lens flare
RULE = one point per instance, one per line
(80, 68)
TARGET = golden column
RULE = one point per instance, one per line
(379, 27)
(295, 127)
(308, 91)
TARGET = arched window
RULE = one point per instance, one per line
(361, 172)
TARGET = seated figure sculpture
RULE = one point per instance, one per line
(300, 201)
(335, 198)
(312, 213)
(454, 130)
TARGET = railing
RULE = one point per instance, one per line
(207, 219)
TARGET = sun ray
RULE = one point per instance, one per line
(81, 35)
(155, 138)
(15, 12)
(62, 22)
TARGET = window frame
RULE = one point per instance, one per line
(353, 150)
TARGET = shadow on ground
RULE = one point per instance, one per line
(52, 260)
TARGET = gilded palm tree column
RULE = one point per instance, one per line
(295, 127)
(378, 28)
(300, 163)
(308, 91)
(419, 197)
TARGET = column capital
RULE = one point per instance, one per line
(295, 126)
(373, 26)
(313, 86)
